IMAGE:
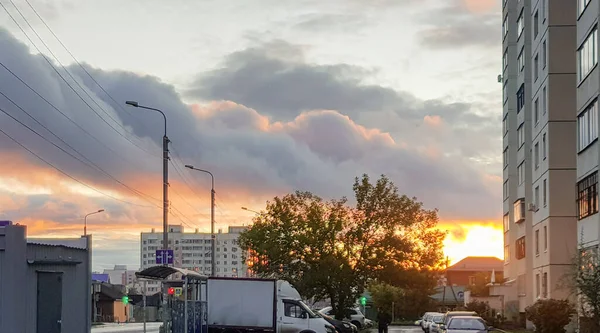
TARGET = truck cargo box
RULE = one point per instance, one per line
(242, 303)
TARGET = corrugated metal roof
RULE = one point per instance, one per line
(162, 272)
(74, 243)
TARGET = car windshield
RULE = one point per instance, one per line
(311, 314)
(466, 324)
(438, 319)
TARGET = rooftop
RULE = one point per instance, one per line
(478, 264)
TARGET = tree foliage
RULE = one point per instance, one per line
(480, 288)
(550, 315)
(484, 310)
(329, 249)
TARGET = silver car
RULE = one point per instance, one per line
(465, 324)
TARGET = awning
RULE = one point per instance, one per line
(162, 272)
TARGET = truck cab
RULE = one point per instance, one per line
(293, 316)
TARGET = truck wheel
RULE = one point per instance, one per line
(357, 324)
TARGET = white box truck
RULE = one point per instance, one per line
(242, 305)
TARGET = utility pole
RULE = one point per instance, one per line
(213, 240)
(144, 308)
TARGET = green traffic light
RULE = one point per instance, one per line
(363, 300)
(125, 299)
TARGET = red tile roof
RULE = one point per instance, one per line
(478, 264)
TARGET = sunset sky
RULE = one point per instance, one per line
(269, 95)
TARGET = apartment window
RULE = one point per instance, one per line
(545, 192)
(506, 221)
(544, 101)
(587, 55)
(545, 284)
(544, 146)
(504, 95)
(536, 68)
(520, 24)
(543, 10)
(537, 242)
(505, 124)
(587, 196)
(587, 125)
(521, 98)
(507, 254)
(505, 157)
(536, 22)
(545, 238)
(505, 59)
(521, 136)
(521, 172)
(536, 196)
(520, 245)
(521, 60)
(537, 285)
(536, 155)
(536, 111)
(505, 27)
(505, 189)
(582, 5)
(519, 209)
(544, 55)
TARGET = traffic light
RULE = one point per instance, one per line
(171, 291)
(125, 300)
(363, 301)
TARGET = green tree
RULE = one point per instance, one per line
(484, 310)
(550, 315)
(328, 249)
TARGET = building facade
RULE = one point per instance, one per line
(588, 83)
(193, 251)
(539, 150)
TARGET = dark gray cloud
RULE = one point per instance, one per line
(458, 23)
(320, 151)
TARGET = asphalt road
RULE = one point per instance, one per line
(126, 328)
(401, 329)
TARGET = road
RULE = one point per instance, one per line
(127, 328)
(401, 329)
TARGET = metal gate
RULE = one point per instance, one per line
(197, 317)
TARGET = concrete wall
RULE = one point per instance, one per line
(13, 271)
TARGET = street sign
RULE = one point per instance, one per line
(164, 257)
(5, 223)
(178, 291)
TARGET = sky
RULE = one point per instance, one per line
(270, 96)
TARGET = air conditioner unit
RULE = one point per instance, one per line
(532, 207)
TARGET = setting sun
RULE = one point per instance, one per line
(465, 240)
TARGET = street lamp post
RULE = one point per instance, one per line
(165, 174)
(250, 210)
(212, 217)
(85, 220)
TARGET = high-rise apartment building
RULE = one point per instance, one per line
(539, 150)
(193, 251)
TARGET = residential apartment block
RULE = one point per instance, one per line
(539, 150)
(588, 82)
(193, 251)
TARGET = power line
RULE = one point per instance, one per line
(80, 65)
(70, 75)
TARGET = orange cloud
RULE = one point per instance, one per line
(480, 6)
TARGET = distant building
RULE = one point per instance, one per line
(116, 274)
(193, 251)
(464, 272)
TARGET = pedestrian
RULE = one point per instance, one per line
(383, 320)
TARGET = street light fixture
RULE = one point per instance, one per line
(212, 216)
(250, 210)
(165, 174)
(85, 220)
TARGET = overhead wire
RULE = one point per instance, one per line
(70, 75)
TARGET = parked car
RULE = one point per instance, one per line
(434, 326)
(451, 314)
(429, 319)
(466, 324)
(356, 316)
(424, 319)
(368, 323)
(340, 325)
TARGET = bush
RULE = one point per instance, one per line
(550, 315)
(488, 314)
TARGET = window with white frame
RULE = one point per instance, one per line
(536, 111)
(587, 55)
(505, 59)
(521, 135)
(544, 54)
(545, 192)
(520, 24)
(544, 146)
(505, 26)
(505, 189)
(505, 124)
(505, 157)
(536, 22)
(521, 60)
(521, 98)
(544, 101)
(506, 221)
(537, 242)
(536, 68)
(521, 172)
(582, 5)
(587, 126)
(536, 155)
(545, 238)
(506, 254)
(536, 196)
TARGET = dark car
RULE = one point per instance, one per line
(465, 324)
(340, 325)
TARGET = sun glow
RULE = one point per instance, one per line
(476, 240)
